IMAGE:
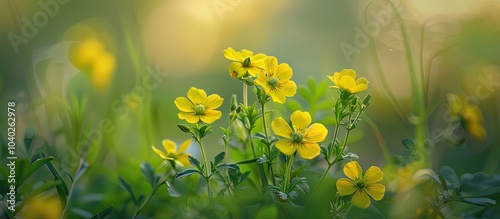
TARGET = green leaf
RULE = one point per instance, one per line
(480, 184)
(231, 166)
(450, 175)
(62, 190)
(185, 128)
(29, 135)
(105, 212)
(187, 172)
(195, 162)
(247, 161)
(293, 105)
(83, 167)
(311, 83)
(34, 166)
(267, 212)
(149, 173)
(321, 89)
(480, 201)
(324, 105)
(219, 158)
(127, 188)
(304, 92)
(172, 191)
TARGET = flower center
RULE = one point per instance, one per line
(199, 110)
(246, 63)
(273, 82)
(297, 137)
(360, 184)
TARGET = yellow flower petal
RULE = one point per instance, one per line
(169, 146)
(336, 78)
(230, 54)
(373, 175)
(288, 89)
(287, 147)
(360, 199)
(190, 117)
(184, 105)
(362, 80)
(300, 120)
(358, 88)
(332, 79)
(353, 170)
(276, 95)
(476, 130)
(271, 66)
(211, 116)
(317, 132)
(159, 153)
(246, 53)
(348, 72)
(285, 73)
(254, 71)
(308, 150)
(184, 146)
(197, 96)
(346, 83)
(258, 60)
(213, 101)
(346, 186)
(236, 70)
(183, 160)
(376, 191)
(281, 128)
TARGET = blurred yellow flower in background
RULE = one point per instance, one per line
(91, 57)
(171, 152)
(468, 114)
(346, 80)
(276, 80)
(42, 208)
(199, 107)
(244, 62)
(363, 186)
(302, 137)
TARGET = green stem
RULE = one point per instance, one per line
(325, 173)
(347, 211)
(420, 126)
(380, 139)
(268, 146)
(71, 190)
(245, 94)
(138, 210)
(380, 73)
(288, 172)
(262, 174)
(205, 161)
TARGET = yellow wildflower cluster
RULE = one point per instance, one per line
(91, 57)
(468, 114)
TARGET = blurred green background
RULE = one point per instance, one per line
(455, 43)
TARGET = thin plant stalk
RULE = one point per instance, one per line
(262, 174)
(288, 171)
(205, 161)
(268, 146)
(420, 122)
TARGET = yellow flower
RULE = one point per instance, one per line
(469, 115)
(42, 208)
(301, 136)
(276, 80)
(172, 153)
(346, 80)
(361, 185)
(199, 107)
(91, 57)
(244, 62)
